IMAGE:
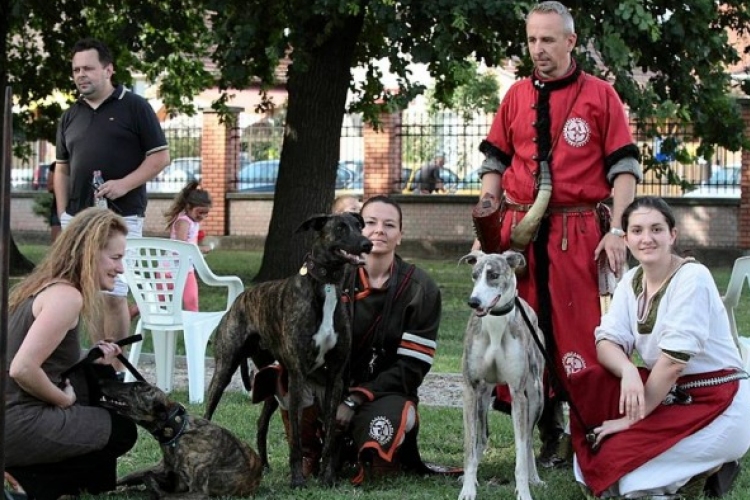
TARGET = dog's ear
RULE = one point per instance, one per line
(471, 258)
(515, 259)
(359, 218)
(315, 222)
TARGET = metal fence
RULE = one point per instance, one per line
(668, 154)
(260, 146)
(669, 157)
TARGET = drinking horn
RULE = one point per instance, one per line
(524, 231)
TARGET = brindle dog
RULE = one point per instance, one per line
(200, 458)
(300, 322)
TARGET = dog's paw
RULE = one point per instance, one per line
(468, 492)
(297, 482)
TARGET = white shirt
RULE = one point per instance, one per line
(691, 319)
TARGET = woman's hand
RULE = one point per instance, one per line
(344, 416)
(109, 350)
(70, 393)
(345, 412)
(610, 427)
(632, 395)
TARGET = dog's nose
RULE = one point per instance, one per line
(474, 303)
(367, 246)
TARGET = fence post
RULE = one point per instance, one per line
(382, 156)
(220, 153)
(743, 218)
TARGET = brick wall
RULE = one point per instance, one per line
(430, 223)
(220, 148)
(743, 225)
(382, 155)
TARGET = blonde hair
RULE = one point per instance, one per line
(191, 196)
(73, 258)
(338, 204)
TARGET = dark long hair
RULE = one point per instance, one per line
(653, 202)
(191, 196)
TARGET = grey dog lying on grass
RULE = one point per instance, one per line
(200, 458)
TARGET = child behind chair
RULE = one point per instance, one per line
(184, 216)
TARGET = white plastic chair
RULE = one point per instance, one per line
(156, 270)
(740, 274)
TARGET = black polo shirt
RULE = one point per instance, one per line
(114, 138)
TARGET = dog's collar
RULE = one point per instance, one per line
(172, 428)
(507, 307)
(319, 272)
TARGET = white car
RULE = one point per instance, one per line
(176, 176)
(723, 183)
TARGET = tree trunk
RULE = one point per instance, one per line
(19, 264)
(310, 152)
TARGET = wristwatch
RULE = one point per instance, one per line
(351, 403)
(617, 231)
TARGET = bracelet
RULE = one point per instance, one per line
(617, 232)
(351, 403)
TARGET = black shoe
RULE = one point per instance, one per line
(719, 483)
(556, 452)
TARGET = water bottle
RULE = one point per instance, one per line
(96, 182)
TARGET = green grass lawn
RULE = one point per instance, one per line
(441, 436)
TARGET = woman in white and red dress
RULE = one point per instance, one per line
(646, 437)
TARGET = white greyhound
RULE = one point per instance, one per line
(499, 348)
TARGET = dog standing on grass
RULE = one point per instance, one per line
(200, 459)
(499, 349)
(300, 322)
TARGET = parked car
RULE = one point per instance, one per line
(470, 184)
(260, 177)
(357, 185)
(723, 183)
(21, 178)
(177, 174)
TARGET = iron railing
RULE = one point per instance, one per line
(668, 155)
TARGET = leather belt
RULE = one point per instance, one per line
(555, 209)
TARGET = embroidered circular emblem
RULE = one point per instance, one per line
(381, 430)
(576, 132)
(573, 362)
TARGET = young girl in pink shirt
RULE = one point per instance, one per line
(189, 208)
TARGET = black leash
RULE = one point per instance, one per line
(590, 436)
(96, 353)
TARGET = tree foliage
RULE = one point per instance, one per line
(163, 39)
(666, 59)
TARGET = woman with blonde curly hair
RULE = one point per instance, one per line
(55, 443)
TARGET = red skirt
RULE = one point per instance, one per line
(596, 393)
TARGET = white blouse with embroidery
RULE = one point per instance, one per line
(690, 319)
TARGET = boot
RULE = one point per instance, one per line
(310, 435)
(372, 468)
(556, 446)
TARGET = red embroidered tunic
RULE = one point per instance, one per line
(581, 120)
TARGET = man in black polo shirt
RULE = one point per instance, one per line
(115, 131)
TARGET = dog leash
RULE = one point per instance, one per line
(96, 353)
(590, 436)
